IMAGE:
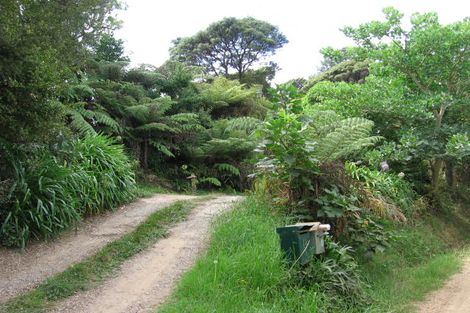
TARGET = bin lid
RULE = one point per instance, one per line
(297, 227)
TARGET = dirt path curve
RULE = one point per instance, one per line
(146, 280)
(20, 272)
(454, 297)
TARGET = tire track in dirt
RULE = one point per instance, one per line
(147, 280)
(22, 271)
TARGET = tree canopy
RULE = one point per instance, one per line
(426, 67)
(229, 45)
(42, 45)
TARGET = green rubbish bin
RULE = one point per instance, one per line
(302, 241)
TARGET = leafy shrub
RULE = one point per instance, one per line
(110, 179)
(352, 224)
(48, 193)
(289, 156)
(40, 200)
(336, 274)
(395, 193)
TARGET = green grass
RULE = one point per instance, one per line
(421, 258)
(91, 272)
(145, 190)
(243, 270)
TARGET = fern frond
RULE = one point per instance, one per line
(157, 127)
(245, 123)
(347, 136)
(101, 117)
(184, 117)
(162, 148)
(211, 180)
(80, 124)
(228, 168)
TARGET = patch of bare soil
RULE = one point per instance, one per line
(146, 280)
(22, 271)
(454, 297)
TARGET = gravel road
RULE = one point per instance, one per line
(146, 280)
(22, 271)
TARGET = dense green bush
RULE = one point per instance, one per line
(48, 192)
(108, 171)
(39, 201)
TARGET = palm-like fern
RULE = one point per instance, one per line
(337, 138)
(85, 122)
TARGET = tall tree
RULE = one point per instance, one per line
(229, 45)
(42, 45)
(433, 60)
(110, 49)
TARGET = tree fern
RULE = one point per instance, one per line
(101, 117)
(162, 148)
(223, 92)
(80, 124)
(157, 127)
(85, 121)
(345, 137)
(211, 180)
(227, 168)
(245, 123)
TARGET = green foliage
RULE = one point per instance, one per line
(229, 44)
(289, 155)
(350, 71)
(49, 193)
(339, 138)
(333, 204)
(42, 45)
(431, 60)
(111, 179)
(458, 147)
(225, 98)
(337, 275)
(395, 193)
(110, 49)
(351, 224)
(40, 201)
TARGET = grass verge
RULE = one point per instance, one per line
(421, 258)
(91, 272)
(145, 190)
(243, 270)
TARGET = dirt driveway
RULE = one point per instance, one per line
(22, 271)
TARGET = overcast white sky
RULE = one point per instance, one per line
(149, 26)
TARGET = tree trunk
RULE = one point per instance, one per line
(436, 168)
(450, 177)
(144, 154)
(437, 165)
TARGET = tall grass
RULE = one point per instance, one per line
(50, 192)
(110, 180)
(244, 271)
